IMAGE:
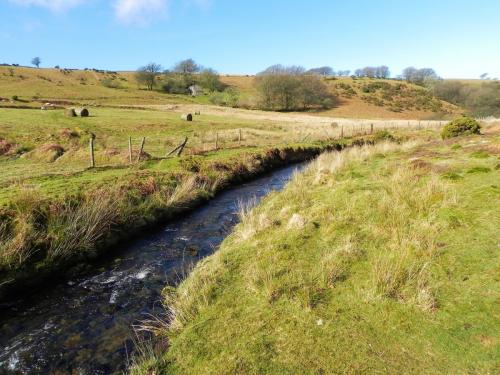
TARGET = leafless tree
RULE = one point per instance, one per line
(188, 66)
(419, 76)
(147, 75)
(290, 88)
(36, 61)
(322, 71)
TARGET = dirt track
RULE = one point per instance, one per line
(290, 117)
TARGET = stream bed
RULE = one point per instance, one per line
(84, 326)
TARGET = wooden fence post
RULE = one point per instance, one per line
(371, 128)
(216, 140)
(342, 131)
(130, 149)
(239, 137)
(181, 147)
(92, 160)
(141, 149)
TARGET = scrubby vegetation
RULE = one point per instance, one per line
(395, 96)
(479, 98)
(460, 126)
(290, 88)
(370, 261)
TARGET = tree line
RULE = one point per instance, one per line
(178, 80)
(480, 99)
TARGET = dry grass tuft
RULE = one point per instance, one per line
(409, 231)
(297, 222)
(75, 230)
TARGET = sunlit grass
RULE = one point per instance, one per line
(370, 261)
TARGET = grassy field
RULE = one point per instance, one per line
(382, 259)
(43, 143)
(49, 150)
(360, 98)
(46, 182)
(49, 214)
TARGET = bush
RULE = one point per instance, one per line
(383, 135)
(110, 83)
(177, 83)
(15, 97)
(460, 126)
(230, 98)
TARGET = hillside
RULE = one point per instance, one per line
(360, 98)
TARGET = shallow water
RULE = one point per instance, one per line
(83, 326)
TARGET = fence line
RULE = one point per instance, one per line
(206, 141)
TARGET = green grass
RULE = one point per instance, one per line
(371, 261)
(29, 131)
(47, 215)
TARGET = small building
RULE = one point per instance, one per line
(196, 90)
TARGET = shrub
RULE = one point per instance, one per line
(110, 83)
(191, 164)
(229, 97)
(460, 126)
(15, 97)
(381, 135)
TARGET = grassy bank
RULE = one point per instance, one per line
(41, 234)
(375, 260)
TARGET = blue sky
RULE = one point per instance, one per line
(459, 38)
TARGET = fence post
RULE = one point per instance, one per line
(342, 131)
(181, 147)
(92, 160)
(141, 149)
(216, 140)
(371, 128)
(130, 149)
(239, 137)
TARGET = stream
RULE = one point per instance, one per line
(84, 326)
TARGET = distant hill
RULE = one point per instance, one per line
(357, 98)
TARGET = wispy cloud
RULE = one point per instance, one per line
(132, 12)
(54, 5)
(141, 11)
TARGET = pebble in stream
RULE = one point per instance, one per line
(84, 325)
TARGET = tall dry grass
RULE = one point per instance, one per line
(18, 232)
(409, 207)
(78, 229)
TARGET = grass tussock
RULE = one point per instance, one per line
(366, 263)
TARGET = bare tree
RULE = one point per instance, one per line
(412, 74)
(322, 71)
(290, 88)
(343, 73)
(283, 70)
(36, 61)
(188, 66)
(147, 75)
(209, 79)
(382, 71)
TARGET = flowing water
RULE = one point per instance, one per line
(83, 326)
